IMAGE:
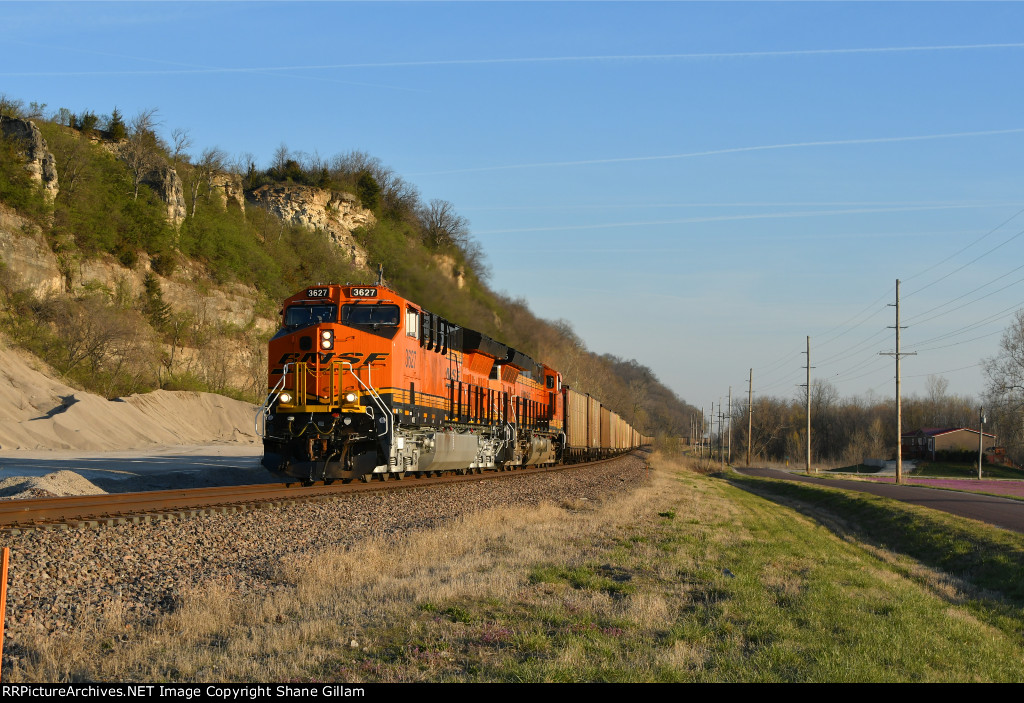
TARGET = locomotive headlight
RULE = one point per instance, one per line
(326, 339)
(285, 397)
(350, 397)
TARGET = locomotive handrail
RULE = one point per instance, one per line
(378, 401)
(264, 409)
(505, 424)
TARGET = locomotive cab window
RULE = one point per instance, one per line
(305, 315)
(412, 323)
(370, 315)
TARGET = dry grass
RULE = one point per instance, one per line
(684, 578)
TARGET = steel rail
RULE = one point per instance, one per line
(111, 508)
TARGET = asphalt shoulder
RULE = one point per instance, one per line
(1001, 512)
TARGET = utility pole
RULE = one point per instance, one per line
(718, 445)
(730, 426)
(809, 367)
(721, 446)
(981, 434)
(700, 452)
(899, 407)
(711, 432)
(750, 413)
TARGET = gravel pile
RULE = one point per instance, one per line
(58, 483)
(59, 577)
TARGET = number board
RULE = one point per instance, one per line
(363, 292)
(318, 292)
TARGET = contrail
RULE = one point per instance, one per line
(714, 152)
(650, 206)
(723, 218)
(539, 59)
(189, 68)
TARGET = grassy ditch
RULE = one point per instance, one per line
(939, 469)
(686, 578)
(986, 562)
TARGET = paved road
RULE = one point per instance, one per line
(157, 468)
(1001, 512)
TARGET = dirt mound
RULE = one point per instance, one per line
(37, 412)
(59, 483)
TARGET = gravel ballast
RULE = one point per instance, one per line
(64, 577)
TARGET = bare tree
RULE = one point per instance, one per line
(1005, 388)
(442, 226)
(399, 199)
(72, 158)
(63, 116)
(142, 150)
(11, 107)
(212, 162)
(281, 156)
(182, 141)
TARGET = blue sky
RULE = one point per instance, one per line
(697, 186)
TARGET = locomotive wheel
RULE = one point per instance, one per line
(385, 476)
(399, 476)
(366, 478)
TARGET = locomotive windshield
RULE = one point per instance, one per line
(370, 315)
(306, 315)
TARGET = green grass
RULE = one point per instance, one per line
(988, 558)
(759, 595)
(940, 469)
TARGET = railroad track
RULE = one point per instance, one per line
(120, 508)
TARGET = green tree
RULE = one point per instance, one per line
(368, 190)
(153, 306)
(86, 122)
(117, 129)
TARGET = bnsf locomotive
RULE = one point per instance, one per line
(366, 383)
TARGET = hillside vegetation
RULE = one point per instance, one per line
(118, 206)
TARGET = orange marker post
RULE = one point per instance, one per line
(3, 600)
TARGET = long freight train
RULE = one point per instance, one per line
(365, 383)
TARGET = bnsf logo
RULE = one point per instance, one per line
(326, 357)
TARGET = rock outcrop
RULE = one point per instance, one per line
(227, 188)
(27, 256)
(447, 265)
(39, 161)
(337, 214)
(166, 183)
(33, 265)
(156, 172)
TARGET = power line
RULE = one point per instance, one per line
(969, 246)
(974, 260)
